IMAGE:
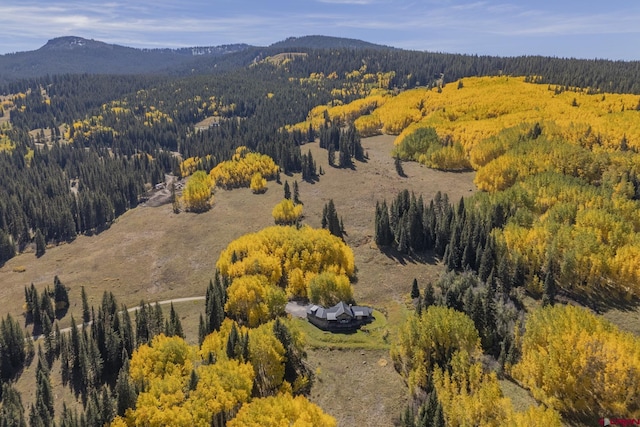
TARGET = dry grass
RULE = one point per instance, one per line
(357, 387)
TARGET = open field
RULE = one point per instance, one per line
(152, 254)
(357, 387)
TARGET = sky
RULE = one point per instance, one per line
(561, 28)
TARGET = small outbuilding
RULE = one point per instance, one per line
(340, 317)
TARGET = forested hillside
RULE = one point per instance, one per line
(554, 145)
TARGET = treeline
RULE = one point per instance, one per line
(461, 236)
(70, 96)
(424, 68)
(66, 190)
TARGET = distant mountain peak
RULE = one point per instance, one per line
(72, 42)
(321, 42)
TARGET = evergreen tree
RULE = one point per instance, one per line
(44, 391)
(403, 241)
(549, 285)
(429, 296)
(126, 332)
(330, 219)
(41, 244)
(46, 306)
(232, 343)
(415, 227)
(202, 330)
(86, 316)
(408, 419)
(48, 337)
(125, 391)
(60, 297)
(11, 409)
(415, 292)
(143, 332)
(331, 155)
(294, 356)
(12, 348)
(173, 325)
(35, 419)
(32, 301)
(68, 418)
(486, 262)
(107, 410)
(399, 168)
(193, 380)
(344, 156)
(383, 233)
(7, 248)
(287, 190)
(296, 193)
(214, 305)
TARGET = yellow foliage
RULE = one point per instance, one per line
(328, 289)
(595, 236)
(239, 171)
(276, 252)
(286, 213)
(470, 397)
(579, 363)
(282, 410)
(253, 300)
(356, 111)
(258, 183)
(5, 143)
(222, 386)
(430, 340)
(486, 106)
(162, 371)
(267, 355)
(197, 192)
(189, 166)
(165, 356)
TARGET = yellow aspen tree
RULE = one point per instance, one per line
(197, 192)
(280, 410)
(286, 212)
(258, 183)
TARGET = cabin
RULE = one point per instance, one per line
(340, 317)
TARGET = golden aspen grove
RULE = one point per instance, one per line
(242, 167)
(562, 162)
(565, 158)
(265, 266)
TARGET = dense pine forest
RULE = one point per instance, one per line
(554, 146)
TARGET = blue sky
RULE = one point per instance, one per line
(572, 28)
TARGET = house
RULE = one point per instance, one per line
(340, 317)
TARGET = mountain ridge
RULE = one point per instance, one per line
(78, 55)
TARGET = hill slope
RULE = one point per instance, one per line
(326, 42)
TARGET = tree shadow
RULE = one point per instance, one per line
(600, 300)
(427, 257)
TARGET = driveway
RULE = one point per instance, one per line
(296, 309)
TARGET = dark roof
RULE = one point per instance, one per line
(332, 313)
